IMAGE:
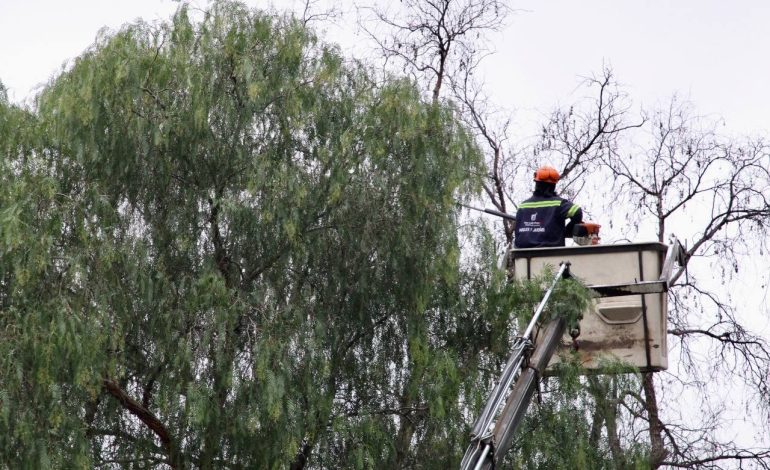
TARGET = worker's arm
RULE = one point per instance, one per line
(575, 216)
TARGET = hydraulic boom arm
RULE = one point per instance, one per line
(490, 437)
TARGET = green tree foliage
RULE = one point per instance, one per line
(223, 246)
(561, 430)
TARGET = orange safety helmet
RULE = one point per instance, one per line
(547, 174)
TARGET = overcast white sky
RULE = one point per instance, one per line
(710, 51)
(713, 52)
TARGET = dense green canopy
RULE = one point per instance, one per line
(223, 246)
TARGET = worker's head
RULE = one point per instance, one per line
(546, 178)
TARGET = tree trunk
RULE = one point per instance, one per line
(301, 458)
(403, 441)
(658, 451)
(611, 421)
(439, 77)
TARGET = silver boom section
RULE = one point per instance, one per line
(487, 437)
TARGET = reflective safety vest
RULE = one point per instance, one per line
(540, 221)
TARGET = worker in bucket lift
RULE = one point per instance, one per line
(540, 220)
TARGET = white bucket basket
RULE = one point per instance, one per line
(616, 327)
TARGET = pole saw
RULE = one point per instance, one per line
(489, 211)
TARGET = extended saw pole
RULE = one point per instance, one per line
(489, 211)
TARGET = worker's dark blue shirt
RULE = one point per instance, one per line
(540, 221)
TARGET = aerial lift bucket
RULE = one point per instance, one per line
(627, 321)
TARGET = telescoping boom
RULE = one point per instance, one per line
(491, 438)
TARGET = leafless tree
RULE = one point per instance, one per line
(311, 11)
(577, 138)
(443, 41)
(492, 135)
(433, 39)
(721, 188)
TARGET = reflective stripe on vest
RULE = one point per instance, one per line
(539, 204)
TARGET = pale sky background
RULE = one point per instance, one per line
(711, 52)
